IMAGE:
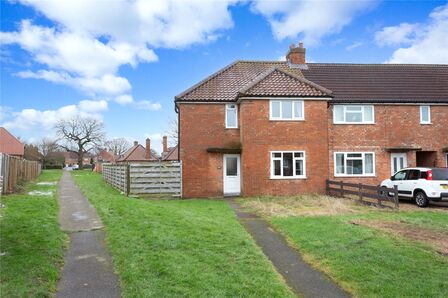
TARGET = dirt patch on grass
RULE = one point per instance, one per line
(438, 239)
(309, 205)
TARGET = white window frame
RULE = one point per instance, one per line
(363, 158)
(303, 176)
(446, 159)
(344, 107)
(293, 101)
(228, 107)
(421, 115)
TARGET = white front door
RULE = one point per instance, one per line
(232, 184)
(398, 161)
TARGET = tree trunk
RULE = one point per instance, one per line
(80, 157)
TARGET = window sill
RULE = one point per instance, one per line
(232, 128)
(287, 120)
(354, 123)
(425, 123)
(354, 176)
(288, 178)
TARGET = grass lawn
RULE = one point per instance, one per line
(31, 242)
(174, 248)
(353, 247)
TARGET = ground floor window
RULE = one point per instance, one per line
(354, 164)
(288, 164)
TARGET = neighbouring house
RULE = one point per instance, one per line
(9, 144)
(284, 127)
(138, 153)
(105, 156)
(71, 158)
(169, 153)
(32, 153)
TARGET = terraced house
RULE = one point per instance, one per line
(283, 128)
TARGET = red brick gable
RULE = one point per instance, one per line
(9, 144)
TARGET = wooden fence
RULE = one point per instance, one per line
(149, 178)
(14, 170)
(368, 194)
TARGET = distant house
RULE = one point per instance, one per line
(71, 158)
(169, 153)
(138, 153)
(105, 156)
(9, 144)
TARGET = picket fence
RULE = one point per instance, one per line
(159, 178)
(14, 170)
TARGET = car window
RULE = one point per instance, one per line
(423, 175)
(400, 175)
(439, 174)
(413, 175)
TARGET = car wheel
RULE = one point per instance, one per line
(421, 199)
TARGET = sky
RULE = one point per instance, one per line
(124, 61)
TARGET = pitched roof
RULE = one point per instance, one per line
(171, 154)
(9, 144)
(136, 153)
(348, 82)
(279, 82)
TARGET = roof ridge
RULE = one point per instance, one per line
(379, 64)
(200, 83)
(257, 80)
(306, 81)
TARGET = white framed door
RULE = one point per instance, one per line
(398, 161)
(232, 174)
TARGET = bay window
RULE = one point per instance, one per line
(288, 164)
(353, 114)
(354, 164)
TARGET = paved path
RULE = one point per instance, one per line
(88, 270)
(301, 277)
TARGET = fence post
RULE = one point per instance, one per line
(128, 179)
(396, 197)
(360, 191)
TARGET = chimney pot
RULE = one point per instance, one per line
(148, 149)
(165, 143)
(135, 143)
(296, 55)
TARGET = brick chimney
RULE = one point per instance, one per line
(148, 149)
(296, 55)
(165, 143)
(135, 143)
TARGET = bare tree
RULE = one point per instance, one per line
(118, 145)
(81, 135)
(173, 132)
(47, 146)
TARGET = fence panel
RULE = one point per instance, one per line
(14, 169)
(149, 178)
(381, 196)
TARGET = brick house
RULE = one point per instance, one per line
(9, 144)
(138, 153)
(283, 128)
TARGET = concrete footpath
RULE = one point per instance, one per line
(300, 276)
(88, 270)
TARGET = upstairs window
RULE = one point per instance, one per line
(351, 114)
(231, 116)
(354, 164)
(425, 115)
(286, 110)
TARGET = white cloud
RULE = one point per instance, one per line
(148, 105)
(91, 40)
(354, 45)
(124, 99)
(312, 19)
(92, 106)
(420, 43)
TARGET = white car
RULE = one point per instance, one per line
(420, 184)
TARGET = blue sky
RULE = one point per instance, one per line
(124, 61)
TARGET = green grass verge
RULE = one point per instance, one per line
(31, 242)
(368, 262)
(180, 248)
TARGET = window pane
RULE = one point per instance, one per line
(277, 168)
(400, 175)
(368, 113)
(275, 105)
(354, 167)
(287, 164)
(353, 116)
(298, 154)
(299, 167)
(232, 166)
(340, 163)
(358, 155)
(231, 117)
(277, 154)
(413, 175)
(369, 163)
(353, 109)
(425, 113)
(298, 113)
(287, 109)
(338, 113)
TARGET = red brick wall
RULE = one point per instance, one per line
(395, 125)
(259, 136)
(202, 126)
